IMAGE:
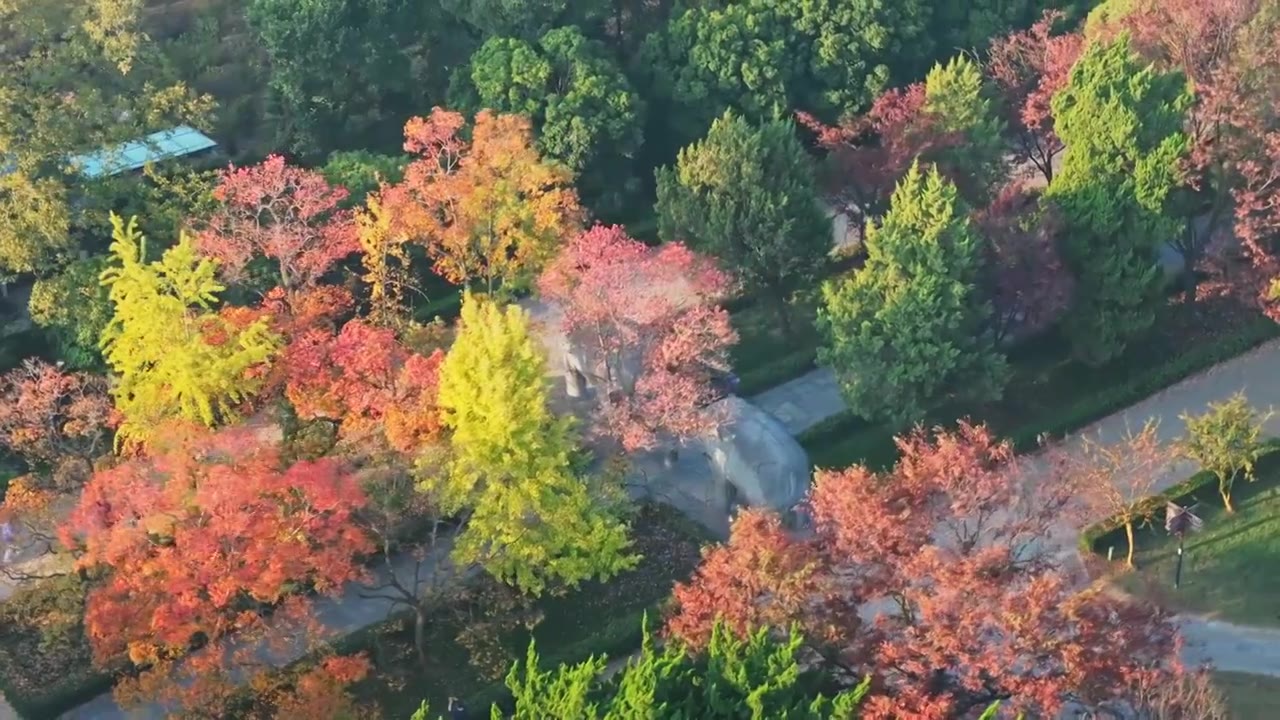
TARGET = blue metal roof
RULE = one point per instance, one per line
(182, 140)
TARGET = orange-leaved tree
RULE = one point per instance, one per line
(367, 381)
(951, 553)
(487, 207)
(211, 535)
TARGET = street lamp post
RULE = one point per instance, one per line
(1179, 521)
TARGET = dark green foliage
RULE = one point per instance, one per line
(1121, 121)
(360, 172)
(767, 57)
(342, 73)
(73, 307)
(525, 19)
(905, 334)
(45, 659)
(746, 195)
(756, 677)
(582, 106)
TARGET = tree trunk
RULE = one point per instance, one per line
(420, 635)
(784, 314)
(1225, 491)
(1128, 534)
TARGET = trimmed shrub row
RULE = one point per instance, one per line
(1110, 532)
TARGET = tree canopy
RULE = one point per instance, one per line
(745, 194)
(583, 108)
(1121, 120)
(906, 333)
(531, 520)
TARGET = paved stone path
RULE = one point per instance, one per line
(803, 402)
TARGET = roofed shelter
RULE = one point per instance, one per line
(181, 141)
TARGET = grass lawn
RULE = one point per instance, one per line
(1231, 569)
(1250, 697)
(598, 618)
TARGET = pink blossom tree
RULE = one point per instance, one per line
(647, 319)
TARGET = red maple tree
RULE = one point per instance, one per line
(867, 155)
(1027, 280)
(56, 421)
(286, 214)
(646, 319)
(1028, 68)
(760, 578)
(363, 378)
(952, 552)
(211, 536)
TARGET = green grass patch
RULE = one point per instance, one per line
(1249, 697)
(1050, 393)
(1229, 568)
(598, 618)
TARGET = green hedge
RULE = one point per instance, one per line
(1110, 532)
(775, 372)
(845, 438)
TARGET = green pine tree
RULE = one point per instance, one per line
(957, 98)
(907, 333)
(756, 678)
(1121, 121)
(746, 195)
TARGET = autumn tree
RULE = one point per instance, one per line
(1027, 68)
(486, 208)
(174, 356)
(745, 194)
(56, 421)
(1025, 278)
(584, 110)
(384, 255)
(287, 215)
(951, 549)
(761, 577)
(1117, 479)
(1227, 441)
(868, 155)
(905, 333)
(647, 319)
(211, 535)
(367, 381)
(1121, 120)
(530, 520)
(958, 102)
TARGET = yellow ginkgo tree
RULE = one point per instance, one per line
(174, 356)
(532, 519)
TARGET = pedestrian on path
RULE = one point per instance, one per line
(7, 537)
